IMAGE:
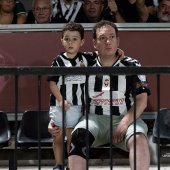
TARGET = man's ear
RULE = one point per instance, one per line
(94, 43)
(61, 41)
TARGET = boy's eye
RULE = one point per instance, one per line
(75, 39)
(66, 39)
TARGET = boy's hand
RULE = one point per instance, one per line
(53, 129)
(67, 104)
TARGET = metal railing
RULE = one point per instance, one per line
(44, 71)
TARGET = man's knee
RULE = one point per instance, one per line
(141, 140)
(78, 142)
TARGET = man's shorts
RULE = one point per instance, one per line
(99, 126)
(72, 116)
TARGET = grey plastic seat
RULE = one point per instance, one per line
(164, 127)
(28, 131)
(5, 133)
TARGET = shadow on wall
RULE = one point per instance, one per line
(27, 4)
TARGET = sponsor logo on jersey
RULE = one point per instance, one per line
(73, 78)
(100, 102)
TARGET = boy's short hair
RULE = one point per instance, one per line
(101, 24)
(72, 26)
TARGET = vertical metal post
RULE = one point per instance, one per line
(16, 121)
(111, 124)
(87, 125)
(158, 118)
(63, 119)
(134, 93)
(39, 122)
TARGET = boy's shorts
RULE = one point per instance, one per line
(99, 126)
(72, 116)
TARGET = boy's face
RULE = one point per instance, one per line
(72, 42)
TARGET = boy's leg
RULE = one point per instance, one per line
(57, 148)
(68, 134)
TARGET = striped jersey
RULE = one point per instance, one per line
(122, 89)
(74, 84)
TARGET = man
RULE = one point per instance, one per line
(163, 12)
(106, 42)
(94, 12)
(135, 10)
(66, 10)
(41, 12)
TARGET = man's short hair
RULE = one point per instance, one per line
(101, 24)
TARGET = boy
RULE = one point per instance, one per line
(72, 39)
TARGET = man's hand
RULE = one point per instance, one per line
(53, 129)
(113, 6)
(119, 132)
(132, 1)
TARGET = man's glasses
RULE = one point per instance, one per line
(44, 9)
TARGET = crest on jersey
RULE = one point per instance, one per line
(106, 82)
(82, 64)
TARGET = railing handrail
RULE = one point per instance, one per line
(88, 26)
(43, 70)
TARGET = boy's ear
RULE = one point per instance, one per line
(82, 42)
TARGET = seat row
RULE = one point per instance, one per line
(28, 130)
(36, 122)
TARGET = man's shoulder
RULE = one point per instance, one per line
(128, 61)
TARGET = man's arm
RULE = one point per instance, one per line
(142, 10)
(120, 130)
(21, 18)
(114, 11)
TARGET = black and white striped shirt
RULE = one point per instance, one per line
(74, 84)
(122, 89)
(63, 13)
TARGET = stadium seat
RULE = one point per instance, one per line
(28, 131)
(5, 133)
(164, 126)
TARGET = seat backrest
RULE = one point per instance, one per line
(5, 133)
(29, 124)
(164, 126)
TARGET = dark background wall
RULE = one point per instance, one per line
(40, 48)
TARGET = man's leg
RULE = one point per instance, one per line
(77, 162)
(142, 152)
(77, 154)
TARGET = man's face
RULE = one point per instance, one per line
(7, 5)
(42, 11)
(164, 11)
(106, 42)
(93, 8)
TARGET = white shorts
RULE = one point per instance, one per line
(99, 126)
(72, 116)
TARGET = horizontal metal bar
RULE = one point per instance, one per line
(87, 26)
(22, 70)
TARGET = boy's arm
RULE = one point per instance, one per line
(56, 92)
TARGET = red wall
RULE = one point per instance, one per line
(40, 48)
